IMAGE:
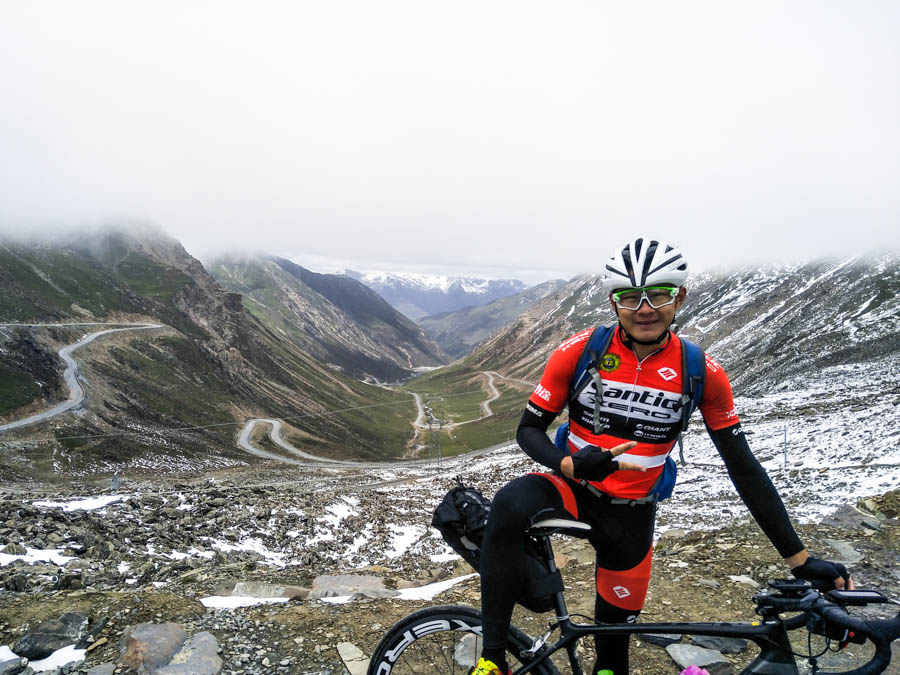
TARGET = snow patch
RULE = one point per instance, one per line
(58, 659)
(233, 601)
(35, 555)
(82, 503)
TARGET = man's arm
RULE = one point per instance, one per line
(762, 499)
(757, 491)
(532, 436)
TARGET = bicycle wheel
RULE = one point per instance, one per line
(444, 640)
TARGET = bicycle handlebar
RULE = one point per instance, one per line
(880, 632)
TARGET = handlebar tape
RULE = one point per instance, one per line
(881, 632)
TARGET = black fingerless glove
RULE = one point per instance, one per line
(821, 573)
(593, 463)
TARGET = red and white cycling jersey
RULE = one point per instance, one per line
(639, 402)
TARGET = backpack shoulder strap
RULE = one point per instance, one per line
(693, 367)
(586, 369)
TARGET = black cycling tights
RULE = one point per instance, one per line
(621, 534)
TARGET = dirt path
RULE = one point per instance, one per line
(509, 379)
(495, 394)
(71, 373)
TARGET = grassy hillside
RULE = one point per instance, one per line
(213, 365)
(456, 394)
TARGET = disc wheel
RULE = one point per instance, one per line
(444, 640)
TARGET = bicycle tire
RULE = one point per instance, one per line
(442, 640)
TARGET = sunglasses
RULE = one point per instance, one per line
(656, 297)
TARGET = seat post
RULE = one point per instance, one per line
(559, 600)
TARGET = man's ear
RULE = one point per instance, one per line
(679, 299)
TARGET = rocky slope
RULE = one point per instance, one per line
(334, 318)
(179, 550)
(170, 399)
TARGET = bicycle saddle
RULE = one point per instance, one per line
(574, 528)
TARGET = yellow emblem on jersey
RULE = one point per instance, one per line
(610, 362)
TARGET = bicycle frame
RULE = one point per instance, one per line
(770, 634)
(775, 650)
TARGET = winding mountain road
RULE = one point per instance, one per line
(495, 394)
(70, 375)
(300, 458)
(420, 423)
(278, 439)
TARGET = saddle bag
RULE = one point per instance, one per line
(461, 518)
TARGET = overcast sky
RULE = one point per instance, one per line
(514, 139)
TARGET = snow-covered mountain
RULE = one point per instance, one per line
(418, 295)
(458, 332)
(763, 325)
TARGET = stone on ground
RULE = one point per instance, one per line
(150, 646)
(45, 638)
(688, 655)
(354, 659)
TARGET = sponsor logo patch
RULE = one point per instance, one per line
(542, 392)
(643, 404)
(610, 362)
(534, 410)
(621, 591)
(712, 365)
(667, 373)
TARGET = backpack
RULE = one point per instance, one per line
(461, 518)
(693, 365)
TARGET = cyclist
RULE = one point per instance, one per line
(613, 461)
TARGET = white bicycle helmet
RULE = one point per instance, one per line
(645, 262)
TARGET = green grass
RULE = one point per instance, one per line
(72, 280)
(151, 280)
(456, 393)
(17, 388)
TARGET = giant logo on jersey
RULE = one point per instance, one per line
(635, 402)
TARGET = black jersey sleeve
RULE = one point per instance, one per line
(756, 489)
(532, 436)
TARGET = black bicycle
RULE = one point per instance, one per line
(447, 639)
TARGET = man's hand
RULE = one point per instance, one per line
(594, 463)
(823, 574)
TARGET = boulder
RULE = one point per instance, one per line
(149, 646)
(689, 655)
(13, 666)
(660, 639)
(103, 669)
(328, 586)
(197, 656)
(45, 638)
(726, 645)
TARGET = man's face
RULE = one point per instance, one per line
(645, 322)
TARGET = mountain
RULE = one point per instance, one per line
(764, 325)
(418, 295)
(458, 332)
(335, 319)
(167, 399)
